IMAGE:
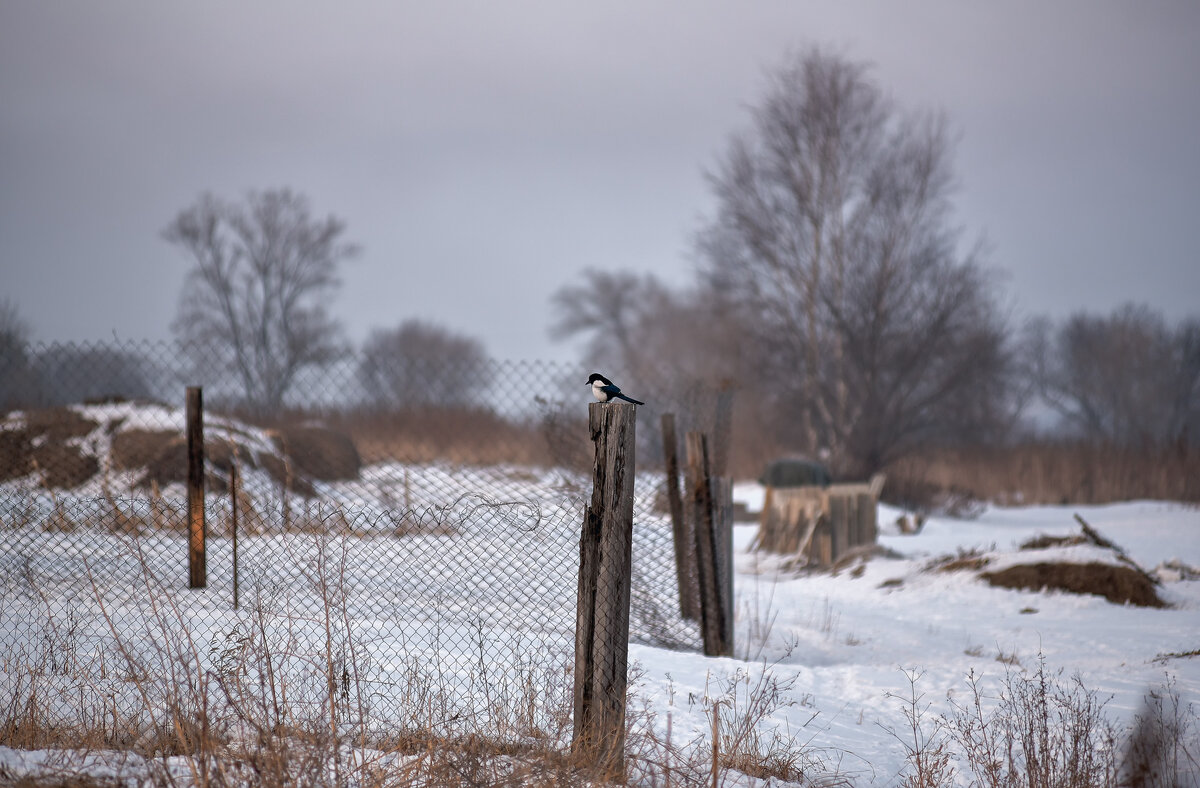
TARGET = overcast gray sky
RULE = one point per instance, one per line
(484, 153)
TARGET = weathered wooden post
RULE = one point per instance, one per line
(685, 542)
(839, 521)
(197, 571)
(722, 430)
(700, 507)
(233, 512)
(866, 518)
(722, 488)
(602, 616)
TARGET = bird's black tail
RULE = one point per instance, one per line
(630, 399)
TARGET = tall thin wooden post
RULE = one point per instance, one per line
(839, 526)
(197, 571)
(722, 488)
(722, 430)
(700, 505)
(602, 616)
(233, 525)
(685, 542)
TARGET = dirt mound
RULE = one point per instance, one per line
(58, 424)
(16, 454)
(286, 474)
(49, 442)
(133, 449)
(319, 453)
(63, 465)
(1117, 584)
(170, 465)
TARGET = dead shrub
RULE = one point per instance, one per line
(1044, 541)
(964, 560)
(965, 564)
(1042, 732)
(1117, 584)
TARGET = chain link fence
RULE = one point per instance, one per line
(391, 542)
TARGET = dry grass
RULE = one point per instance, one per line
(1044, 730)
(281, 699)
(471, 436)
(1044, 473)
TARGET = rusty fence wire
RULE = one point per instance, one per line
(394, 539)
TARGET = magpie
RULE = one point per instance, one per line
(604, 390)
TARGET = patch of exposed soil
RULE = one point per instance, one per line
(1117, 584)
(139, 448)
(64, 466)
(319, 453)
(16, 454)
(278, 469)
(42, 440)
(220, 454)
(57, 424)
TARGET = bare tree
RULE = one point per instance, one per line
(610, 306)
(832, 234)
(18, 380)
(1127, 378)
(262, 272)
(419, 363)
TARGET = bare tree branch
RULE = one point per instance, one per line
(262, 272)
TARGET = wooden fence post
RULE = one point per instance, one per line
(700, 506)
(722, 430)
(723, 532)
(685, 542)
(233, 512)
(197, 570)
(602, 615)
(839, 522)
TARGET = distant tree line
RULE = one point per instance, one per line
(832, 291)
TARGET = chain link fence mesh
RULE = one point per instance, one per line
(397, 538)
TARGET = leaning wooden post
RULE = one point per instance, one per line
(700, 505)
(602, 617)
(197, 571)
(685, 543)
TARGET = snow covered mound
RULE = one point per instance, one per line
(128, 445)
(1084, 563)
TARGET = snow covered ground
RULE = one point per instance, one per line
(845, 640)
(840, 644)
